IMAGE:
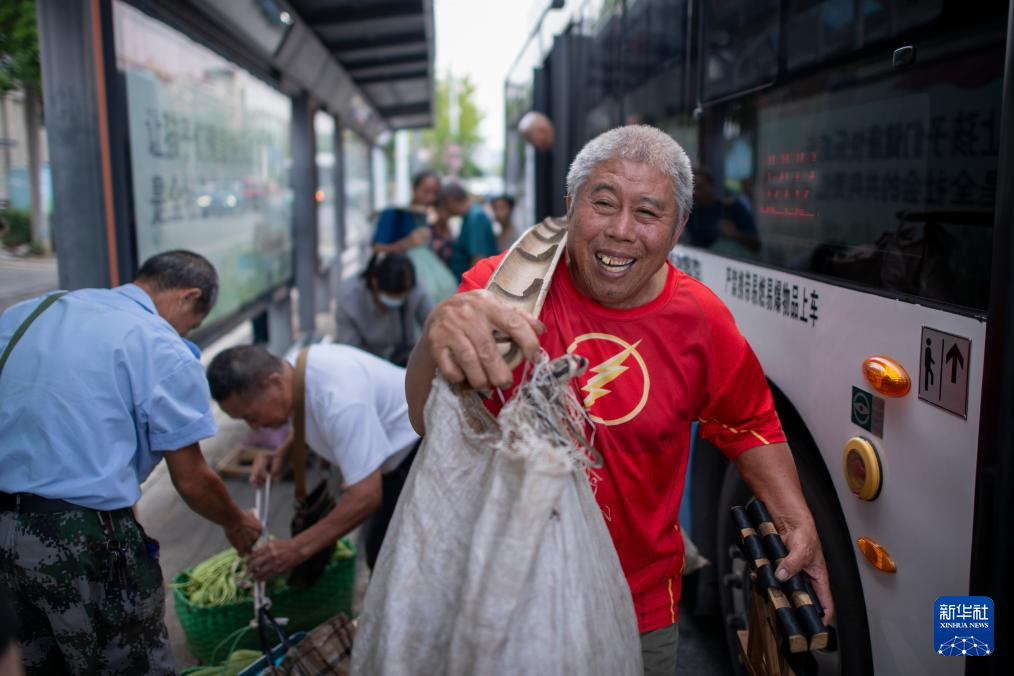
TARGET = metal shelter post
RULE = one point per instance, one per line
(304, 211)
(75, 49)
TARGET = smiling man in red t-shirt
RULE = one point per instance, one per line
(663, 350)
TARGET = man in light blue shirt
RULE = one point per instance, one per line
(100, 387)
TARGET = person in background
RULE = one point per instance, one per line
(476, 240)
(398, 228)
(98, 390)
(538, 130)
(717, 222)
(356, 418)
(503, 208)
(442, 239)
(382, 309)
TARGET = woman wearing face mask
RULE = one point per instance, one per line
(382, 310)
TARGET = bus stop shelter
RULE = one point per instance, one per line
(243, 130)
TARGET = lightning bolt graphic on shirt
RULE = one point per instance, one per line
(605, 373)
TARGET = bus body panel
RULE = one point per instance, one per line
(928, 454)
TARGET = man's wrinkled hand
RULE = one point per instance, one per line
(459, 336)
(806, 555)
(243, 533)
(273, 558)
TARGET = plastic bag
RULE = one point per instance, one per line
(433, 275)
(497, 559)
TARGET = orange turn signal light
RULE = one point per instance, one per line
(887, 376)
(876, 555)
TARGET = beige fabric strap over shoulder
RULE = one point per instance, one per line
(523, 277)
(299, 425)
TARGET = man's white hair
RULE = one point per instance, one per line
(638, 143)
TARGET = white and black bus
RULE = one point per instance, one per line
(859, 228)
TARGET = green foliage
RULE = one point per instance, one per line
(19, 46)
(17, 227)
(441, 140)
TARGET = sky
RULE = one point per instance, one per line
(481, 38)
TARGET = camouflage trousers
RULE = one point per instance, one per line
(80, 613)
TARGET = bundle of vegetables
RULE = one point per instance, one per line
(224, 578)
(214, 601)
(221, 579)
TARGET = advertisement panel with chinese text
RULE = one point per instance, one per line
(209, 156)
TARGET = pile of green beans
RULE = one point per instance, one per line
(223, 578)
(220, 580)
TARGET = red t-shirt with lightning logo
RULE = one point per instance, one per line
(652, 371)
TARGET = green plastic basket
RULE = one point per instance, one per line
(208, 627)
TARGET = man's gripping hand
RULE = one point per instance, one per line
(243, 532)
(459, 338)
(806, 556)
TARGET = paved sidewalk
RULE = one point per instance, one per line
(24, 278)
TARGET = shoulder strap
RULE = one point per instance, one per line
(39, 309)
(299, 425)
(523, 277)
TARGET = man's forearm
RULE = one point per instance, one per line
(418, 382)
(770, 472)
(205, 493)
(352, 509)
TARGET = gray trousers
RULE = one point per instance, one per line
(658, 650)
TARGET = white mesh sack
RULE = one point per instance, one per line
(497, 559)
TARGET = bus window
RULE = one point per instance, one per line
(888, 184)
(816, 30)
(655, 45)
(739, 46)
(602, 26)
(655, 38)
(683, 128)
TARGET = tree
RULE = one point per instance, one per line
(19, 69)
(454, 136)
